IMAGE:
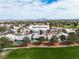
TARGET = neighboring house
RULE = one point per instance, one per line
(15, 28)
(39, 27)
(36, 35)
(49, 36)
(70, 30)
(10, 36)
(19, 36)
(14, 37)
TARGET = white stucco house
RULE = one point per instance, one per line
(39, 27)
(11, 37)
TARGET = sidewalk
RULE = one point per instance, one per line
(40, 47)
(3, 54)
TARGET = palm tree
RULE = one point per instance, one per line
(19, 30)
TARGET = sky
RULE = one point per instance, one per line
(34, 9)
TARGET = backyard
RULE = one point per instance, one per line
(45, 53)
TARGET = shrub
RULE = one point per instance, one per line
(26, 40)
(41, 39)
(53, 39)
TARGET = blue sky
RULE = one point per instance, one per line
(34, 9)
(48, 1)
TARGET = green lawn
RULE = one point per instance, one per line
(45, 53)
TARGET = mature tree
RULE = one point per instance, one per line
(32, 37)
(2, 29)
(4, 42)
(77, 32)
(41, 32)
(75, 24)
(50, 25)
(72, 37)
(31, 31)
(63, 38)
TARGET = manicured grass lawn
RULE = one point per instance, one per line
(45, 53)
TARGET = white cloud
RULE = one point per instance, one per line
(23, 9)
